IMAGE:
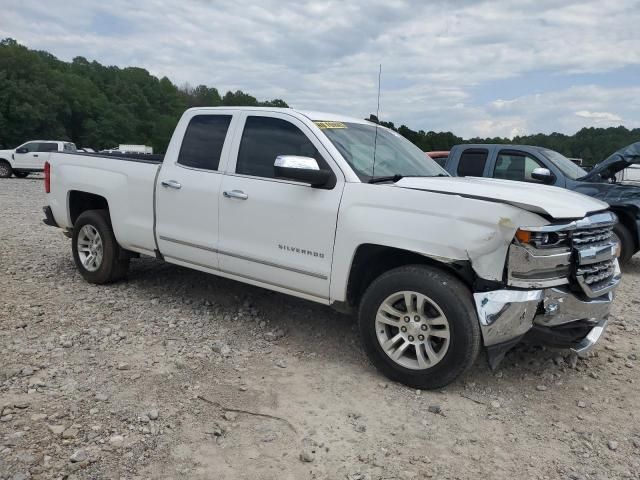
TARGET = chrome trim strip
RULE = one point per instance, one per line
(534, 268)
(596, 253)
(246, 276)
(602, 219)
(591, 339)
(188, 244)
(242, 257)
(271, 264)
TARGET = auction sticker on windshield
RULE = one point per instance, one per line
(325, 124)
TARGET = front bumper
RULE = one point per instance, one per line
(506, 316)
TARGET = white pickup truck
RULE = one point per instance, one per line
(346, 213)
(30, 157)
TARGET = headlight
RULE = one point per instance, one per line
(541, 239)
(538, 259)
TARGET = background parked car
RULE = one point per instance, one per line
(526, 163)
(440, 156)
(30, 157)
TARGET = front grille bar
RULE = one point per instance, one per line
(596, 265)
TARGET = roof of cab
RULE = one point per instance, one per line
(311, 115)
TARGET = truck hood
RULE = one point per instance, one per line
(615, 194)
(543, 199)
(6, 154)
(616, 162)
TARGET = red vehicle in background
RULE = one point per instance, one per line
(440, 156)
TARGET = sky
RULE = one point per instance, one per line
(498, 68)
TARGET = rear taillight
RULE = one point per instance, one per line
(47, 177)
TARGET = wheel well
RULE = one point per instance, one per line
(627, 219)
(82, 201)
(370, 261)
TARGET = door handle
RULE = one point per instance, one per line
(239, 194)
(171, 184)
(35, 154)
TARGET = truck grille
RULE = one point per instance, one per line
(592, 235)
(597, 272)
(596, 266)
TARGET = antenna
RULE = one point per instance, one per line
(378, 108)
(375, 139)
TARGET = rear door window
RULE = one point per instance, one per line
(203, 141)
(515, 166)
(47, 147)
(472, 162)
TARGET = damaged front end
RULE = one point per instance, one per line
(560, 280)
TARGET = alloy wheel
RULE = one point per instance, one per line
(90, 248)
(412, 330)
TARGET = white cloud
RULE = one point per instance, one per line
(324, 55)
(599, 116)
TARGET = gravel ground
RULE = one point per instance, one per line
(164, 374)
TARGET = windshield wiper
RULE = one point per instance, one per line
(389, 178)
(397, 177)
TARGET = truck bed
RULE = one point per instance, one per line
(125, 182)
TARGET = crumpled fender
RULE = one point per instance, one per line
(444, 227)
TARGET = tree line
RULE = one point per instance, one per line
(590, 144)
(94, 105)
(102, 106)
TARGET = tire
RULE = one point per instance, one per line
(98, 262)
(443, 295)
(21, 174)
(627, 245)
(5, 169)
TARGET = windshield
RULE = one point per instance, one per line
(394, 154)
(566, 166)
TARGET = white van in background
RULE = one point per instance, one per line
(629, 174)
(127, 148)
(30, 157)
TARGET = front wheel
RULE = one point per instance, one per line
(5, 169)
(625, 239)
(419, 326)
(95, 249)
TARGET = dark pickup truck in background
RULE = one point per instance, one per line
(531, 164)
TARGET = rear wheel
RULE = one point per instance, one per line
(627, 245)
(5, 169)
(95, 250)
(21, 174)
(419, 326)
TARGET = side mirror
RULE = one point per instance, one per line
(542, 174)
(22, 150)
(302, 169)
